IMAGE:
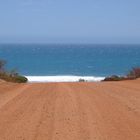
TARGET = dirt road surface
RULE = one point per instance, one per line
(70, 111)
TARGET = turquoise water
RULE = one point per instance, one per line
(64, 60)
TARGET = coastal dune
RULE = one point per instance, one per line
(70, 111)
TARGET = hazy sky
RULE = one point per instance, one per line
(70, 21)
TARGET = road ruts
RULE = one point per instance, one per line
(70, 111)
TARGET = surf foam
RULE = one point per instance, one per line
(63, 78)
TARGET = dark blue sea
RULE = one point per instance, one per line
(68, 61)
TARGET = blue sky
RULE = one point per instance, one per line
(70, 21)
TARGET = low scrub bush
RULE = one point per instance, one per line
(12, 76)
(20, 79)
(81, 80)
(114, 78)
(134, 73)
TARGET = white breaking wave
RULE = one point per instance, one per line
(63, 78)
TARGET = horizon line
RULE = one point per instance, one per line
(41, 43)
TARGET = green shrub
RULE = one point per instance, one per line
(20, 79)
(16, 79)
(9, 78)
(12, 76)
(113, 78)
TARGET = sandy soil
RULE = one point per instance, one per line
(70, 111)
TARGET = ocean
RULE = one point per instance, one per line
(69, 62)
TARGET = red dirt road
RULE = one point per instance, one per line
(70, 111)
